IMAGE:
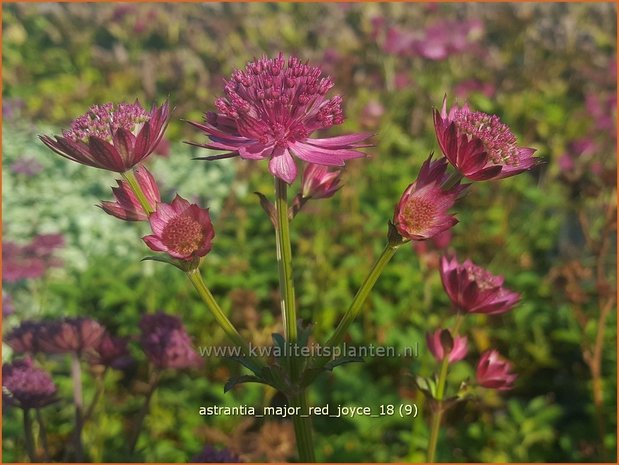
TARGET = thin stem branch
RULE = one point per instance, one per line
(361, 296)
(129, 176)
(437, 414)
(95, 398)
(153, 383)
(196, 279)
(76, 376)
(43, 435)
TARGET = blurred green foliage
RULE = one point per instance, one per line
(544, 64)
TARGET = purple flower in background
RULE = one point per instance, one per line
(69, 335)
(465, 88)
(211, 455)
(25, 337)
(112, 137)
(166, 342)
(31, 260)
(475, 290)
(111, 352)
(27, 166)
(127, 206)
(26, 386)
(7, 304)
(271, 109)
(494, 372)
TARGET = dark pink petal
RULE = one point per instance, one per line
(316, 155)
(282, 166)
(344, 141)
(107, 155)
(155, 243)
(142, 144)
(123, 143)
(255, 151)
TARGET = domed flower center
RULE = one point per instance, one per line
(418, 215)
(279, 102)
(183, 235)
(497, 138)
(484, 279)
(103, 120)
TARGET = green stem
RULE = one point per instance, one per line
(284, 261)
(43, 434)
(361, 296)
(303, 428)
(129, 176)
(440, 394)
(196, 279)
(153, 383)
(437, 415)
(76, 376)
(28, 436)
(302, 422)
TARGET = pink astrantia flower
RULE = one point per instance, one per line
(319, 182)
(479, 145)
(181, 229)
(271, 109)
(435, 345)
(475, 290)
(422, 211)
(112, 137)
(495, 372)
(127, 206)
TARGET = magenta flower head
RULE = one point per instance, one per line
(271, 109)
(166, 342)
(69, 335)
(441, 342)
(112, 137)
(127, 206)
(26, 386)
(181, 229)
(422, 211)
(472, 289)
(494, 372)
(479, 145)
(319, 182)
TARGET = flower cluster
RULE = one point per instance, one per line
(31, 260)
(112, 137)
(26, 386)
(166, 342)
(270, 111)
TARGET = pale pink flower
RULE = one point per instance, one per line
(423, 209)
(181, 229)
